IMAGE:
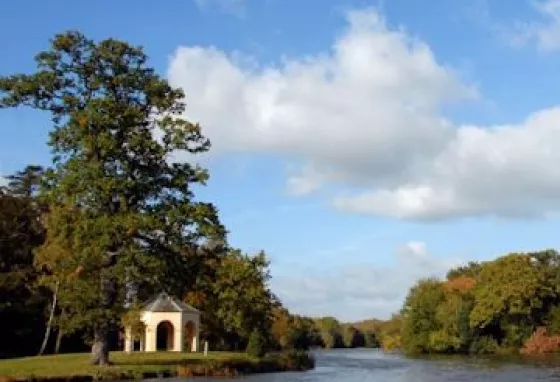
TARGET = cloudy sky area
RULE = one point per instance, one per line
(362, 144)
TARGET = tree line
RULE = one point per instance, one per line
(510, 304)
(231, 290)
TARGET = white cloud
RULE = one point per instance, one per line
(501, 170)
(236, 7)
(360, 291)
(307, 181)
(367, 116)
(548, 34)
(3, 182)
(545, 33)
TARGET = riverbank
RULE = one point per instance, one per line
(76, 367)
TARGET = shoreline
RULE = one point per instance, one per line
(74, 367)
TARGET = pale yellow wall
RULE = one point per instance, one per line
(177, 319)
(153, 319)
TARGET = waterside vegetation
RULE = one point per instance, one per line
(507, 305)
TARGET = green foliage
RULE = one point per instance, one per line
(243, 299)
(121, 210)
(482, 308)
(256, 346)
(470, 270)
(293, 332)
(352, 337)
(390, 333)
(553, 320)
(496, 296)
(331, 332)
(141, 366)
(483, 345)
(420, 315)
(371, 340)
(115, 218)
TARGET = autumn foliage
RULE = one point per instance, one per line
(540, 342)
(459, 284)
(511, 303)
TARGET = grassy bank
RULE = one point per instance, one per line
(75, 367)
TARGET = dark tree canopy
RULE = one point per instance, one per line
(21, 302)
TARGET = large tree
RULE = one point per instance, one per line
(121, 212)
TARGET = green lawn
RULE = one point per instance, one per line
(135, 364)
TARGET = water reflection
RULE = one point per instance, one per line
(375, 366)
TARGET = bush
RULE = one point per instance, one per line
(554, 320)
(292, 360)
(540, 342)
(256, 345)
(484, 345)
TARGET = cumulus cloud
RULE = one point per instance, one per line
(366, 118)
(360, 291)
(500, 170)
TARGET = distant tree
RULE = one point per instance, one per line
(391, 333)
(352, 337)
(470, 270)
(121, 210)
(243, 299)
(513, 307)
(510, 303)
(420, 315)
(371, 340)
(282, 328)
(331, 332)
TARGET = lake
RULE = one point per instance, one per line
(366, 365)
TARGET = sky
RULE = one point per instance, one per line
(362, 144)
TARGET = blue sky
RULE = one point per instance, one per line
(362, 144)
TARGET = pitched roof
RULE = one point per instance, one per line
(166, 303)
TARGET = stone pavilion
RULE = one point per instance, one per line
(167, 324)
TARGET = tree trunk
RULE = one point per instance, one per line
(49, 323)
(100, 347)
(59, 336)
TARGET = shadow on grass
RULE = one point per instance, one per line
(164, 362)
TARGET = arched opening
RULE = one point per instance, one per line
(190, 333)
(165, 335)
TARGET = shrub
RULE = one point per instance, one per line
(541, 342)
(484, 345)
(554, 320)
(256, 344)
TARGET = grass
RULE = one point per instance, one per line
(146, 365)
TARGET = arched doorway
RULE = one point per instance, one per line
(190, 333)
(165, 336)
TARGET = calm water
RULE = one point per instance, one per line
(375, 366)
